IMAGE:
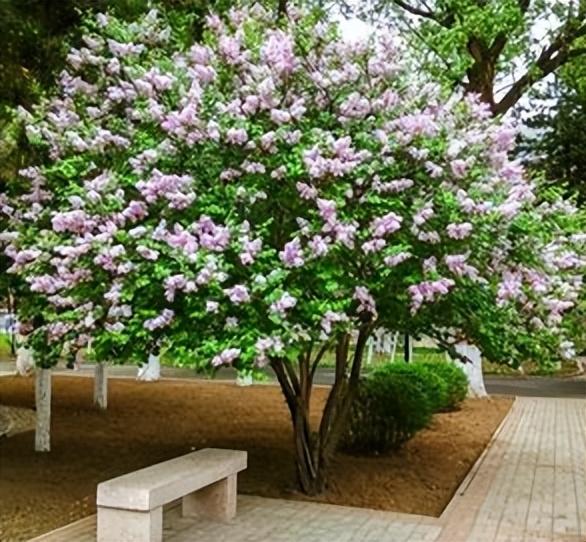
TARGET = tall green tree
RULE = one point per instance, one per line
(498, 49)
(556, 140)
(34, 36)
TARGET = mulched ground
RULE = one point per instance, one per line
(150, 422)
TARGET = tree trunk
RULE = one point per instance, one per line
(43, 406)
(309, 460)
(481, 73)
(408, 348)
(101, 386)
(24, 360)
(473, 369)
(150, 371)
(314, 449)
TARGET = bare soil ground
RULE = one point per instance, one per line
(150, 422)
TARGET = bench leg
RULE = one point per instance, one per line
(216, 501)
(115, 525)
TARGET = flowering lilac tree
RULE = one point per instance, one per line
(258, 199)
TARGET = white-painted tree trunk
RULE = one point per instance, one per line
(24, 358)
(150, 371)
(43, 404)
(473, 369)
(24, 361)
(101, 386)
(244, 380)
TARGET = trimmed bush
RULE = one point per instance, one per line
(433, 383)
(454, 378)
(391, 406)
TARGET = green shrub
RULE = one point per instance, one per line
(454, 379)
(433, 383)
(392, 404)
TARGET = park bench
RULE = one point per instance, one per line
(130, 507)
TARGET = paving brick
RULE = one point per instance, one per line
(530, 486)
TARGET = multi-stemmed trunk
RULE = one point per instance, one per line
(316, 446)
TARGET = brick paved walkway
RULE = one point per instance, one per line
(529, 486)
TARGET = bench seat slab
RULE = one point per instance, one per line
(161, 484)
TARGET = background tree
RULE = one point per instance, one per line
(498, 49)
(34, 37)
(555, 140)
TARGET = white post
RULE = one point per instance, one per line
(43, 404)
(101, 386)
(394, 346)
(473, 369)
(370, 350)
(387, 342)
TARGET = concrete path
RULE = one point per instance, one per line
(529, 486)
(537, 386)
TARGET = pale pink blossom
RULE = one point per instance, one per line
(238, 294)
(283, 304)
(160, 321)
(226, 357)
(292, 254)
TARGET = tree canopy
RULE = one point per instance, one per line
(259, 197)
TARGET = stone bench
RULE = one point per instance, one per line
(130, 507)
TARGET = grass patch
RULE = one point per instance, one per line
(420, 353)
(530, 368)
(5, 351)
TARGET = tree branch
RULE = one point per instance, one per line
(414, 10)
(430, 46)
(281, 9)
(498, 45)
(288, 391)
(550, 59)
(579, 51)
(338, 389)
(318, 358)
(292, 377)
(363, 335)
